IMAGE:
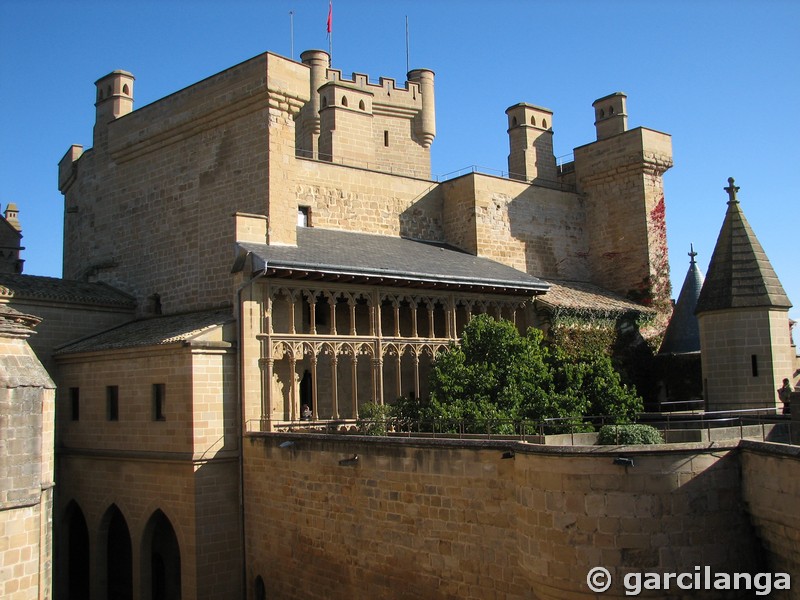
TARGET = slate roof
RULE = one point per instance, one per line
(581, 296)
(35, 287)
(739, 274)
(682, 335)
(361, 257)
(153, 331)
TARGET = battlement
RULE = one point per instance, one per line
(358, 121)
(385, 91)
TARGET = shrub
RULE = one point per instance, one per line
(629, 435)
(372, 418)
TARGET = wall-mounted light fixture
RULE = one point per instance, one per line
(349, 462)
(623, 462)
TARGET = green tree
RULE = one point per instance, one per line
(497, 375)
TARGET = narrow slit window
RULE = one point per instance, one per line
(75, 403)
(159, 397)
(754, 364)
(112, 403)
(386, 138)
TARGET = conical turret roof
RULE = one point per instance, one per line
(740, 274)
(683, 333)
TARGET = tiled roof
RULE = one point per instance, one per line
(35, 287)
(683, 332)
(581, 296)
(152, 331)
(740, 274)
(390, 261)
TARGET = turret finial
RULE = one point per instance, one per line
(692, 253)
(731, 189)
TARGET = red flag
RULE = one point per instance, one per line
(330, 16)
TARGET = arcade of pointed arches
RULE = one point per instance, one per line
(334, 348)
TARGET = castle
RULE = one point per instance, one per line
(271, 237)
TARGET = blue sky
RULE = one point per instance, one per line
(721, 77)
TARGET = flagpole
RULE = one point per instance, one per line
(291, 31)
(330, 31)
(407, 62)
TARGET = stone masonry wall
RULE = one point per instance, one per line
(771, 490)
(151, 211)
(468, 523)
(534, 229)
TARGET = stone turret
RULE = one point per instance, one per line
(114, 100)
(530, 138)
(425, 126)
(610, 115)
(10, 237)
(743, 314)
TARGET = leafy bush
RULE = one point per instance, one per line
(629, 435)
(372, 418)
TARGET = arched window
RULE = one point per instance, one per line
(126, 90)
(610, 110)
(324, 101)
(77, 546)
(161, 558)
(344, 100)
(361, 105)
(119, 557)
(514, 121)
(544, 123)
(533, 121)
(260, 590)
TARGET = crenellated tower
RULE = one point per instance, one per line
(378, 126)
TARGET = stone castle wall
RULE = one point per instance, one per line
(150, 209)
(468, 523)
(771, 489)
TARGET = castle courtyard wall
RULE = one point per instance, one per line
(448, 519)
(771, 489)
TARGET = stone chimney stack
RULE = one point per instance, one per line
(12, 216)
(610, 115)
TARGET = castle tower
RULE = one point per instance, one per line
(530, 139)
(743, 315)
(621, 177)
(610, 115)
(425, 123)
(114, 99)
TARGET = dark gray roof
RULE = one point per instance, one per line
(35, 287)
(683, 332)
(740, 274)
(582, 296)
(360, 257)
(153, 331)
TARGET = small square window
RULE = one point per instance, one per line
(304, 216)
(75, 403)
(112, 403)
(159, 397)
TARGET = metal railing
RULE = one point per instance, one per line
(759, 424)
